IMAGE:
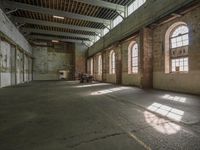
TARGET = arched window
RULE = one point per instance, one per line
(99, 65)
(112, 62)
(179, 37)
(133, 58)
(176, 48)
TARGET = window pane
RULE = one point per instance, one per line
(112, 62)
(180, 37)
(180, 30)
(134, 58)
(135, 5)
(180, 63)
(105, 31)
(117, 20)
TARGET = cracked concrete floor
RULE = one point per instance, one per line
(62, 115)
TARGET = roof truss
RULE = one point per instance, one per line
(53, 12)
(49, 38)
(23, 20)
(40, 31)
(104, 4)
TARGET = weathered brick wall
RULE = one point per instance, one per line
(130, 79)
(111, 78)
(146, 58)
(144, 76)
(151, 73)
(182, 82)
(80, 58)
(50, 60)
(97, 76)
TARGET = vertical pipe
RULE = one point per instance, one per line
(23, 67)
(15, 65)
(0, 62)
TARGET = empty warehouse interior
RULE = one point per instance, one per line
(99, 74)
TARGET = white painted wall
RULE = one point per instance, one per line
(26, 68)
(12, 61)
(30, 68)
(5, 51)
(19, 67)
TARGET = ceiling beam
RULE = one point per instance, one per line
(40, 31)
(53, 12)
(50, 38)
(53, 24)
(104, 4)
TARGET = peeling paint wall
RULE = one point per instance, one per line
(14, 53)
(19, 66)
(5, 53)
(26, 65)
(13, 65)
(80, 58)
(50, 60)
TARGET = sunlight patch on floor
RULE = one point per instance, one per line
(167, 111)
(161, 125)
(174, 98)
(91, 85)
(101, 92)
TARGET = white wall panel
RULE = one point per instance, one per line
(5, 54)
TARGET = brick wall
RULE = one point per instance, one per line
(151, 41)
(182, 82)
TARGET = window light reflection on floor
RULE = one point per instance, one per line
(174, 98)
(101, 92)
(167, 111)
(92, 85)
(161, 125)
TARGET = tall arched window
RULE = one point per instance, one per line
(133, 58)
(99, 65)
(176, 48)
(179, 40)
(112, 62)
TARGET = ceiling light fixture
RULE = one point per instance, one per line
(58, 17)
(55, 41)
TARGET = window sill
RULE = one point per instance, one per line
(133, 73)
(182, 72)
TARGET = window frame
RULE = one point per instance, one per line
(92, 66)
(112, 65)
(133, 58)
(100, 65)
(178, 58)
(180, 35)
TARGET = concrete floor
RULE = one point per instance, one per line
(55, 115)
